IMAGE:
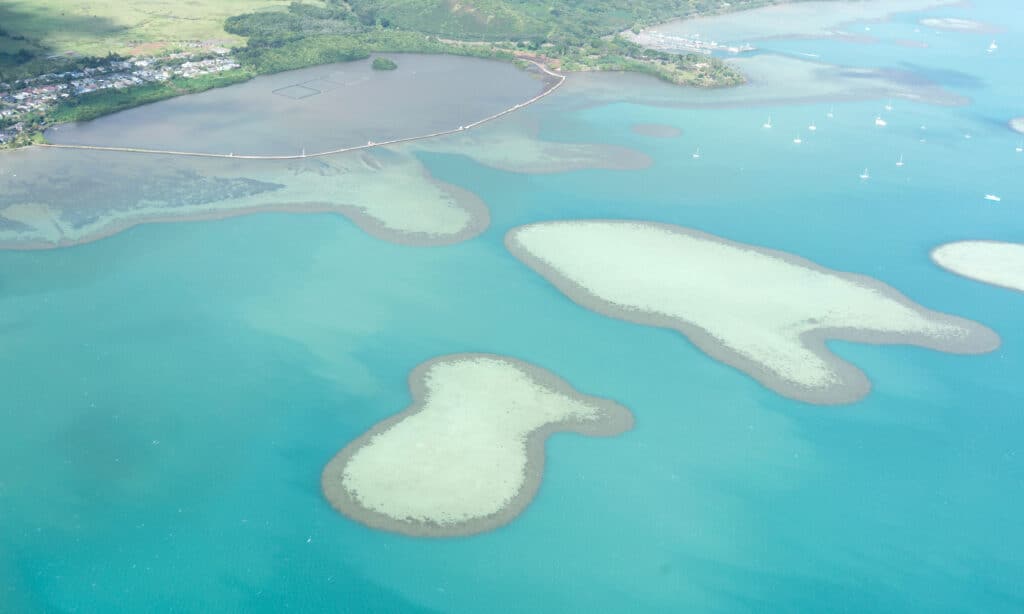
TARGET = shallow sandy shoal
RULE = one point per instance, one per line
(992, 262)
(765, 312)
(468, 455)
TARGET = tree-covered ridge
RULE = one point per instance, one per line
(550, 21)
(572, 34)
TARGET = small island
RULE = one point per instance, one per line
(765, 312)
(382, 63)
(468, 455)
(991, 262)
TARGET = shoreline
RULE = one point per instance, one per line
(852, 383)
(835, 29)
(546, 91)
(613, 419)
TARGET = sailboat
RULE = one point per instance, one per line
(881, 122)
(865, 176)
(1020, 147)
(992, 47)
(812, 127)
(993, 198)
(767, 124)
(888, 105)
(900, 161)
(798, 140)
(831, 113)
(696, 154)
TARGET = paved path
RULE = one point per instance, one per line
(369, 145)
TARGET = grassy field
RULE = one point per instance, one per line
(96, 27)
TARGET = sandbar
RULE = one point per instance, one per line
(515, 147)
(765, 312)
(956, 24)
(991, 262)
(468, 455)
(60, 198)
(658, 131)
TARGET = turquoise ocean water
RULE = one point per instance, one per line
(170, 394)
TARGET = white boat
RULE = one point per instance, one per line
(767, 124)
(900, 161)
(1020, 147)
(993, 198)
(696, 154)
(831, 113)
(967, 135)
(992, 47)
(881, 122)
(865, 176)
(798, 140)
(812, 127)
(888, 106)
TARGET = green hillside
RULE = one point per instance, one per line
(573, 34)
(529, 19)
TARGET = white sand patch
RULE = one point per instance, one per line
(762, 311)
(992, 262)
(955, 24)
(468, 455)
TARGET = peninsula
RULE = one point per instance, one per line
(765, 312)
(468, 455)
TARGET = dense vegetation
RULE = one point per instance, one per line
(103, 102)
(580, 34)
(384, 64)
(563, 21)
